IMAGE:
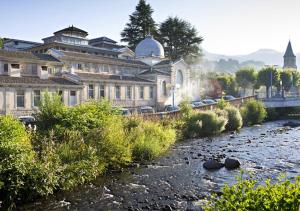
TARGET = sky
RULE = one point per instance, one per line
(229, 27)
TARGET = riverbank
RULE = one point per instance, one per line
(178, 179)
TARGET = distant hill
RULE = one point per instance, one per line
(225, 63)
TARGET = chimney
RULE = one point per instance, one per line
(43, 72)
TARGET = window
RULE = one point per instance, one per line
(60, 93)
(102, 90)
(151, 92)
(36, 98)
(79, 66)
(164, 88)
(118, 92)
(15, 66)
(91, 91)
(20, 99)
(128, 92)
(141, 92)
(73, 98)
(5, 68)
(44, 68)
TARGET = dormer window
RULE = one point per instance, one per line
(44, 68)
(15, 66)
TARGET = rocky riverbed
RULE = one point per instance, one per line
(178, 181)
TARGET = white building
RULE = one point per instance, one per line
(80, 69)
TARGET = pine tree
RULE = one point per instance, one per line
(140, 24)
(180, 39)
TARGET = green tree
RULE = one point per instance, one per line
(1, 42)
(180, 38)
(264, 78)
(140, 24)
(246, 78)
(227, 82)
(286, 77)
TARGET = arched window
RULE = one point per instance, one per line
(179, 78)
(164, 88)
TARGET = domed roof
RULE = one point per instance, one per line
(149, 47)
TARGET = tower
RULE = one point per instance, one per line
(289, 57)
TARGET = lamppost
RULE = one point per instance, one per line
(174, 88)
(271, 83)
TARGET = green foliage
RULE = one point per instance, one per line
(265, 75)
(140, 24)
(235, 120)
(246, 77)
(51, 113)
(222, 104)
(228, 84)
(204, 124)
(1, 43)
(149, 140)
(79, 161)
(110, 141)
(253, 112)
(21, 175)
(247, 195)
(286, 78)
(186, 109)
(180, 38)
(272, 114)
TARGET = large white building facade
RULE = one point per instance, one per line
(80, 69)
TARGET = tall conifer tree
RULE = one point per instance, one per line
(180, 39)
(140, 24)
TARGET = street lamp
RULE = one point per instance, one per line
(174, 88)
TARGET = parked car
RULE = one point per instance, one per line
(208, 101)
(146, 110)
(218, 99)
(197, 103)
(28, 121)
(229, 97)
(124, 111)
(171, 108)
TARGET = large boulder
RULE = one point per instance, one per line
(212, 165)
(232, 163)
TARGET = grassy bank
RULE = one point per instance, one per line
(74, 145)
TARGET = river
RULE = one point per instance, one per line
(177, 180)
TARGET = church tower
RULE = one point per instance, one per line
(289, 57)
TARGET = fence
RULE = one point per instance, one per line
(176, 114)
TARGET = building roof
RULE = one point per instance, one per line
(102, 39)
(6, 39)
(97, 76)
(103, 59)
(35, 80)
(149, 47)
(155, 71)
(289, 51)
(164, 62)
(27, 56)
(72, 29)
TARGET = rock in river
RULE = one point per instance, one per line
(232, 163)
(212, 164)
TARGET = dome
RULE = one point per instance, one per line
(149, 47)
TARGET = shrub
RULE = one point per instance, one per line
(149, 140)
(222, 104)
(247, 195)
(235, 120)
(110, 142)
(204, 124)
(186, 109)
(253, 112)
(273, 114)
(79, 161)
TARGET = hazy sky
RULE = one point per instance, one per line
(228, 26)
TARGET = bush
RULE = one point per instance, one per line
(253, 112)
(246, 195)
(204, 124)
(222, 104)
(149, 140)
(79, 161)
(235, 120)
(186, 109)
(21, 175)
(110, 142)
